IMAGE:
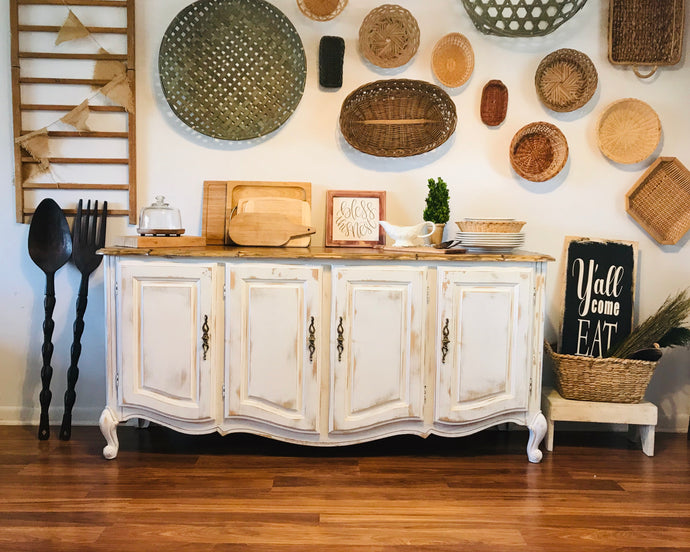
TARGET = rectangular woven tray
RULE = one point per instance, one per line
(660, 200)
(646, 33)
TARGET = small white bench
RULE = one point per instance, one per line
(556, 408)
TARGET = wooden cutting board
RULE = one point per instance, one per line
(295, 210)
(222, 196)
(160, 241)
(264, 229)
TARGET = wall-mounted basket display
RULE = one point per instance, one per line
(232, 69)
(321, 10)
(660, 200)
(389, 36)
(520, 18)
(494, 104)
(397, 118)
(538, 151)
(565, 80)
(646, 34)
(452, 60)
(629, 131)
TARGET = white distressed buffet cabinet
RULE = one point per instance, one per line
(323, 346)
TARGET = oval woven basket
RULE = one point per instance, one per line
(452, 60)
(520, 18)
(218, 59)
(389, 36)
(538, 151)
(619, 380)
(629, 131)
(565, 80)
(397, 118)
(494, 104)
(321, 10)
(507, 226)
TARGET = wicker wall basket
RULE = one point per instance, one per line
(218, 58)
(538, 151)
(583, 378)
(321, 10)
(452, 60)
(494, 104)
(629, 131)
(644, 33)
(660, 200)
(397, 118)
(520, 18)
(389, 36)
(565, 80)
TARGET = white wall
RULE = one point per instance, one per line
(586, 199)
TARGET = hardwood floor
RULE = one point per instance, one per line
(595, 492)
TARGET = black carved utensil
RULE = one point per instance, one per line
(88, 236)
(50, 247)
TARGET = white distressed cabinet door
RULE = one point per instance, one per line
(483, 342)
(377, 345)
(167, 316)
(273, 314)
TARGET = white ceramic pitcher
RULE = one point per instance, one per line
(407, 236)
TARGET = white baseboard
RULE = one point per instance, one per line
(13, 415)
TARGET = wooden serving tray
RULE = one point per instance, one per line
(222, 196)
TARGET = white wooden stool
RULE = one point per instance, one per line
(643, 414)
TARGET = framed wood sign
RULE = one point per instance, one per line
(352, 218)
(599, 294)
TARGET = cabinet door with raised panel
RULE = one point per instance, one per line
(273, 314)
(483, 333)
(377, 345)
(168, 341)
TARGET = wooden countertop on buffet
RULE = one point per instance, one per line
(334, 253)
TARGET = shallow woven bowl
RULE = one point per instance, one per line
(452, 60)
(321, 10)
(565, 80)
(397, 118)
(520, 18)
(389, 36)
(491, 225)
(538, 151)
(629, 131)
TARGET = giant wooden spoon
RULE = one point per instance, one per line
(50, 247)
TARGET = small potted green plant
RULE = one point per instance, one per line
(437, 208)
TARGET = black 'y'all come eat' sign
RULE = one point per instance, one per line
(599, 295)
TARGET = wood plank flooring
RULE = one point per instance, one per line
(166, 491)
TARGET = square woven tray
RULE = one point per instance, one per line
(660, 200)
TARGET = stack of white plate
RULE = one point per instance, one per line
(491, 242)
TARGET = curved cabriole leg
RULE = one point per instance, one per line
(108, 425)
(537, 430)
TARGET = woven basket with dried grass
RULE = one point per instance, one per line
(389, 36)
(321, 10)
(565, 80)
(584, 378)
(397, 118)
(629, 131)
(452, 60)
(538, 151)
(660, 200)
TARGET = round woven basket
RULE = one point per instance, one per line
(629, 131)
(218, 59)
(389, 36)
(491, 225)
(520, 18)
(321, 10)
(619, 380)
(397, 118)
(565, 80)
(538, 151)
(452, 60)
